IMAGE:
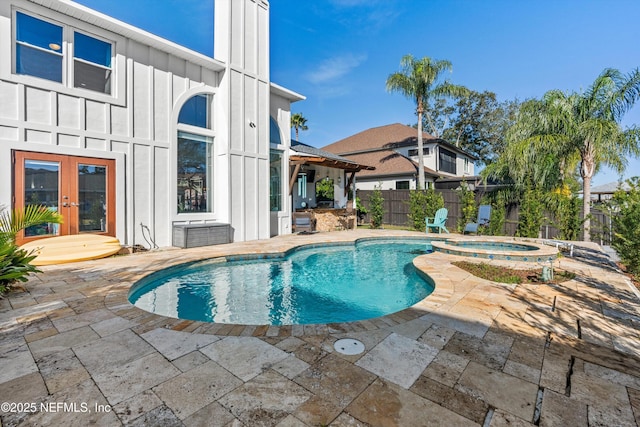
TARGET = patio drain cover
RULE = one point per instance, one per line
(349, 346)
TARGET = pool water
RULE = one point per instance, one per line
(327, 284)
(495, 246)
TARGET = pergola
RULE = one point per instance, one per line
(303, 154)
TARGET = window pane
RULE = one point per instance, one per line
(38, 63)
(402, 185)
(195, 112)
(447, 161)
(92, 196)
(194, 173)
(92, 50)
(38, 33)
(274, 132)
(90, 77)
(275, 183)
(41, 188)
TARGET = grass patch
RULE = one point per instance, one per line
(500, 274)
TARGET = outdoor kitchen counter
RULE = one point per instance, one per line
(328, 219)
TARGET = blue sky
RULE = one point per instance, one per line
(338, 53)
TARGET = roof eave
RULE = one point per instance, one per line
(286, 93)
(85, 14)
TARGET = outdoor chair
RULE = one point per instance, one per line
(484, 215)
(438, 221)
(303, 222)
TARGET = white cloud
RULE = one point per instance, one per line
(334, 68)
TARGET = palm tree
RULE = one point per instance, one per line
(11, 223)
(565, 131)
(298, 122)
(417, 81)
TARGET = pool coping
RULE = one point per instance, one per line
(387, 320)
(444, 286)
(455, 246)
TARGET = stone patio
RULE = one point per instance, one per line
(74, 351)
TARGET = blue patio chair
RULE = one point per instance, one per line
(484, 215)
(438, 221)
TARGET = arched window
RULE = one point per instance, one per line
(274, 132)
(194, 156)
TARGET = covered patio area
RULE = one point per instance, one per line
(322, 187)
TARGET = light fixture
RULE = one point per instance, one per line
(54, 46)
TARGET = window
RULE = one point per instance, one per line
(195, 156)
(41, 52)
(402, 185)
(414, 152)
(467, 165)
(38, 48)
(447, 161)
(275, 180)
(274, 132)
(194, 172)
(324, 192)
(91, 63)
(196, 112)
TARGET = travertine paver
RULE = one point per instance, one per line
(475, 352)
(16, 360)
(192, 390)
(244, 357)
(499, 390)
(174, 344)
(398, 359)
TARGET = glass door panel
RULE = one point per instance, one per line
(92, 198)
(41, 187)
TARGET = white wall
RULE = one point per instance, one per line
(388, 183)
(137, 126)
(242, 42)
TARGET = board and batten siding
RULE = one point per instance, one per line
(137, 126)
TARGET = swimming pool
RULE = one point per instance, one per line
(307, 285)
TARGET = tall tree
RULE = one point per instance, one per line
(563, 131)
(418, 80)
(479, 124)
(298, 122)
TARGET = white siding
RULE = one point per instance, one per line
(137, 125)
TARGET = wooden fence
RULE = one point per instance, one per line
(396, 212)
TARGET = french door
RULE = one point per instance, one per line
(81, 189)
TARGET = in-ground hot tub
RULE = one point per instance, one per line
(508, 250)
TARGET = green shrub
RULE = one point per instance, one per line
(15, 262)
(376, 207)
(469, 209)
(423, 204)
(531, 214)
(568, 217)
(14, 265)
(626, 225)
(498, 217)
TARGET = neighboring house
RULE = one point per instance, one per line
(604, 192)
(393, 151)
(130, 135)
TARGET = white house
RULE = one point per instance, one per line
(130, 135)
(393, 151)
